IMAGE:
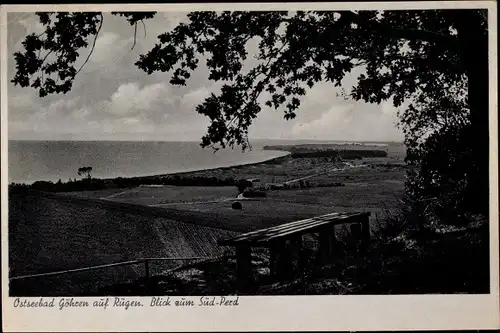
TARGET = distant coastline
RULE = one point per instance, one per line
(31, 161)
(222, 168)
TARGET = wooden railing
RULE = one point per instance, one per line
(144, 261)
(78, 281)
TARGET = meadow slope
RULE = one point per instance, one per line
(46, 234)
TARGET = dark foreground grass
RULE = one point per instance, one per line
(47, 234)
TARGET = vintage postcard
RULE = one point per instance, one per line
(248, 167)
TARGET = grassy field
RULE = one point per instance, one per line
(361, 195)
(257, 214)
(175, 194)
(376, 190)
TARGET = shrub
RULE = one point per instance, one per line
(441, 187)
(335, 184)
(236, 205)
(243, 184)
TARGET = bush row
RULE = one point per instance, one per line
(99, 184)
(344, 154)
(300, 184)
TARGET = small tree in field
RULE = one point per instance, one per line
(85, 172)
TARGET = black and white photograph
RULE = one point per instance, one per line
(221, 154)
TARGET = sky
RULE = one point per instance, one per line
(112, 99)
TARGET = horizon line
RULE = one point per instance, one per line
(199, 141)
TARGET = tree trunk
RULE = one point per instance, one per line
(474, 56)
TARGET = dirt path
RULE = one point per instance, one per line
(349, 166)
(117, 194)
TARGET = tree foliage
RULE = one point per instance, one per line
(433, 61)
(403, 52)
(85, 172)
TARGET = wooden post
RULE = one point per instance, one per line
(365, 230)
(281, 260)
(273, 259)
(148, 281)
(356, 231)
(326, 241)
(243, 266)
(146, 269)
(277, 249)
(296, 247)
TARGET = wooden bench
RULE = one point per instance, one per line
(285, 240)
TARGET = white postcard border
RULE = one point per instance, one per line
(270, 313)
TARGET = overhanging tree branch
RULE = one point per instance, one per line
(135, 35)
(93, 44)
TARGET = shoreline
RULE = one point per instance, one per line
(208, 169)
